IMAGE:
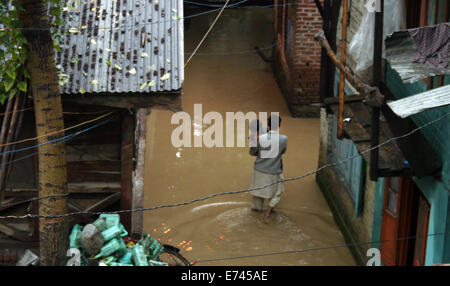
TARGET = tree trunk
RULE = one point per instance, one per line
(53, 233)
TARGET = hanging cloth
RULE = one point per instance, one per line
(433, 45)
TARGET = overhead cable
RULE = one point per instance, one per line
(231, 192)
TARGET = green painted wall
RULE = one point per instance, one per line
(446, 258)
(438, 134)
(438, 198)
(436, 191)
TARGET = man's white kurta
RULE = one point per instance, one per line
(272, 192)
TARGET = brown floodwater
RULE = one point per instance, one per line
(225, 226)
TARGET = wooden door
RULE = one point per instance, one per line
(420, 245)
(404, 223)
(396, 220)
(390, 222)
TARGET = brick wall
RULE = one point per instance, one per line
(299, 76)
(307, 52)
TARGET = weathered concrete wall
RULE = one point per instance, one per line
(355, 229)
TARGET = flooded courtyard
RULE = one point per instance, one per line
(227, 76)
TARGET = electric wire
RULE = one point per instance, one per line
(231, 192)
(246, 6)
(68, 137)
(131, 26)
(159, 22)
(71, 136)
(57, 141)
(36, 146)
(233, 53)
(207, 33)
(84, 113)
(204, 4)
(192, 16)
(50, 134)
(64, 112)
(16, 111)
(315, 249)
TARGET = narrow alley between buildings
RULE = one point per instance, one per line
(228, 76)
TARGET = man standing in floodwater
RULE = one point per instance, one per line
(268, 166)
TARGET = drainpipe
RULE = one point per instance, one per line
(324, 60)
(319, 7)
(327, 69)
(377, 73)
(340, 134)
(333, 21)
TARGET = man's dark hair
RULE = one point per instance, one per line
(276, 119)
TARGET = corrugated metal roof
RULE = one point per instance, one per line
(400, 52)
(120, 46)
(420, 102)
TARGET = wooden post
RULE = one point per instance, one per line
(127, 153)
(327, 67)
(334, 18)
(340, 134)
(324, 60)
(139, 172)
(8, 134)
(372, 95)
(16, 135)
(5, 122)
(13, 133)
(319, 7)
(423, 13)
(377, 73)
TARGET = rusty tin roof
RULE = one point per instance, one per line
(400, 52)
(123, 46)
